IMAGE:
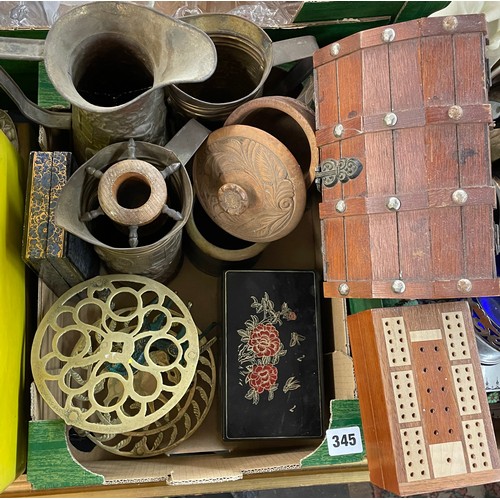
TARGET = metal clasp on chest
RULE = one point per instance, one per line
(330, 171)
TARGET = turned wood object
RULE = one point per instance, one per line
(289, 121)
(249, 183)
(132, 192)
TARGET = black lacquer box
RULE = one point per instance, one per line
(271, 369)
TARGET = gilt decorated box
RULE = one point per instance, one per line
(402, 120)
(271, 369)
(60, 259)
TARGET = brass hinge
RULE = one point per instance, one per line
(330, 171)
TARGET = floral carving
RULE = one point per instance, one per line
(255, 168)
(261, 349)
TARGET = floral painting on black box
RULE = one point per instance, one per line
(272, 381)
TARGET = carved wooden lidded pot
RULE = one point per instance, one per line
(249, 183)
(288, 120)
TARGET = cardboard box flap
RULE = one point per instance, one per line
(204, 469)
(145, 470)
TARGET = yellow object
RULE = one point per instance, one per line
(12, 316)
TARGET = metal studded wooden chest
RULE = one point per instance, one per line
(402, 119)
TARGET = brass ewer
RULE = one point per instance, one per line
(111, 61)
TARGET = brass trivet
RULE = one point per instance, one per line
(136, 353)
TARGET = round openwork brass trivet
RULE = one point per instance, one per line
(175, 427)
(115, 353)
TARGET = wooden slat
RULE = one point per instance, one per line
(332, 231)
(479, 245)
(359, 259)
(358, 288)
(480, 288)
(437, 71)
(471, 113)
(446, 243)
(474, 155)
(349, 86)
(470, 75)
(441, 156)
(384, 246)
(352, 128)
(409, 162)
(375, 80)
(405, 63)
(465, 23)
(326, 95)
(380, 163)
(414, 245)
(406, 118)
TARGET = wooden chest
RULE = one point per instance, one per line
(402, 119)
(426, 420)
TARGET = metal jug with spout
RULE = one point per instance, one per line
(111, 61)
(245, 57)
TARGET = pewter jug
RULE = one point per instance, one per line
(111, 61)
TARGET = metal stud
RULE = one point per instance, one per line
(450, 23)
(388, 35)
(335, 49)
(390, 119)
(455, 112)
(344, 289)
(459, 197)
(398, 286)
(393, 204)
(464, 285)
(341, 206)
(338, 130)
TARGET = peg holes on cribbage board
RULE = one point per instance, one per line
(415, 456)
(403, 385)
(466, 389)
(396, 342)
(435, 392)
(456, 338)
(477, 447)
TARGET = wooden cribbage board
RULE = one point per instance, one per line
(410, 102)
(423, 405)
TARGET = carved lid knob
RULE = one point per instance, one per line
(233, 199)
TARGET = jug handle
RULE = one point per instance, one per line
(50, 119)
(23, 49)
(294, 49)
(188, 140)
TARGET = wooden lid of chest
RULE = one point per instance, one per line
(402, 119)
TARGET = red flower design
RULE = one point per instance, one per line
(262, 377)
(264, 340)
